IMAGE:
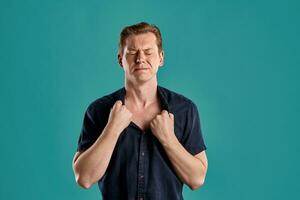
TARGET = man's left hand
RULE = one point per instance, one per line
(162, 127)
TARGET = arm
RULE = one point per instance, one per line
(91, 165)
(190, 169)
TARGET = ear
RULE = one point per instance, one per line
(161, 55)
(120, 60)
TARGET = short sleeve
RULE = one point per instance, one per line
(192, 139)
(91, 128)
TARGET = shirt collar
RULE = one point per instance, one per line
(161, 94)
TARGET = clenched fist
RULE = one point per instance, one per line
(119, 117)
(162, 127)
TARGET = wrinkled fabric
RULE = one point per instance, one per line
(139, 168)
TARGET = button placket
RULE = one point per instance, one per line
(141, 168)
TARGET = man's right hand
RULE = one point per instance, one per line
(89, 166)
(119, 117)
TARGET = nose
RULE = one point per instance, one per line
(140, 58)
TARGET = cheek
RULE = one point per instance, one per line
(129, 59)
(154, 59)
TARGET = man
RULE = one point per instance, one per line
(142, 141)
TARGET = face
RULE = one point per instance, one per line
(140, 58)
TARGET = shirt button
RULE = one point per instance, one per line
(141, 198)
(142, 176)
(143, 153)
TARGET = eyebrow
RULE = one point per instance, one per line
(143, 49)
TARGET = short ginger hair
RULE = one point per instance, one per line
(139, 28)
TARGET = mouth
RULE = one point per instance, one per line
(141, 69)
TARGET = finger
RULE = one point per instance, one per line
(152, 121)
(171, 116)
(164, 112)
(118, 103)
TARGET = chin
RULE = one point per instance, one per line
(143, 79)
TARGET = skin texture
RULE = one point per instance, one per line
(140, 60)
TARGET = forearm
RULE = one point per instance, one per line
(188, 168)
(92, 163)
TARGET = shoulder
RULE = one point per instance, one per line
(177, 100)
(104, 102)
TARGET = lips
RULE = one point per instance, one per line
(138, 69)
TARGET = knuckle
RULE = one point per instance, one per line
(118, 102)
(165, 112)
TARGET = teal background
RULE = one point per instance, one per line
(237, 60)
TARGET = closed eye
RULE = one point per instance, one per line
(132, 52)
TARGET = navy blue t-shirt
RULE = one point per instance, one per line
(139, 168)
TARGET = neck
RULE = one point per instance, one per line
(141, 95)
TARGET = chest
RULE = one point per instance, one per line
(143, 117)
(140, 156)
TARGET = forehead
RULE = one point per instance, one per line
(141, 40)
